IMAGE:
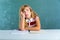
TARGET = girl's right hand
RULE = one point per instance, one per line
(22, 15)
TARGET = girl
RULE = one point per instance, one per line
(29, 20)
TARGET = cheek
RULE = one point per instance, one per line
(27, 12)
(29, 15)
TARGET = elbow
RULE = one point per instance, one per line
(37, 29)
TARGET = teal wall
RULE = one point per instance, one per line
(47, 10)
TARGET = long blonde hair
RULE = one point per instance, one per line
(33, 14)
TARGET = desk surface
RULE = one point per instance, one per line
(33, 35)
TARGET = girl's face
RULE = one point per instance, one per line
(27, 12)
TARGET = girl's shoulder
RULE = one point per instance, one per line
(37, 17)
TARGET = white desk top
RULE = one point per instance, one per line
(35, 35)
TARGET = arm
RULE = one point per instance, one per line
(21, 22)
(37, 28)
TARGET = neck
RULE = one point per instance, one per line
(28, 17)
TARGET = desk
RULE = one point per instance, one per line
(52, 34)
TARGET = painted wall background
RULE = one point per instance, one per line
(47, 10)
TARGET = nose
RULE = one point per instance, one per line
(25, 12)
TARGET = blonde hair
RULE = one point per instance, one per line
(33, 14)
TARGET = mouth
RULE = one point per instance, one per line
(26, 15)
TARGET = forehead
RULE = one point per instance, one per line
(26, 8)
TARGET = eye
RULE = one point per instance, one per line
(27, 9)
(23, 11)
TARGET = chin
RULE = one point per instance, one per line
(27, 17)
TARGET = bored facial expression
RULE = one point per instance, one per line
(27, 12)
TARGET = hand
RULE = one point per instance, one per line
(22, 15)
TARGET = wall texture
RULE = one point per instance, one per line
(47, 10)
